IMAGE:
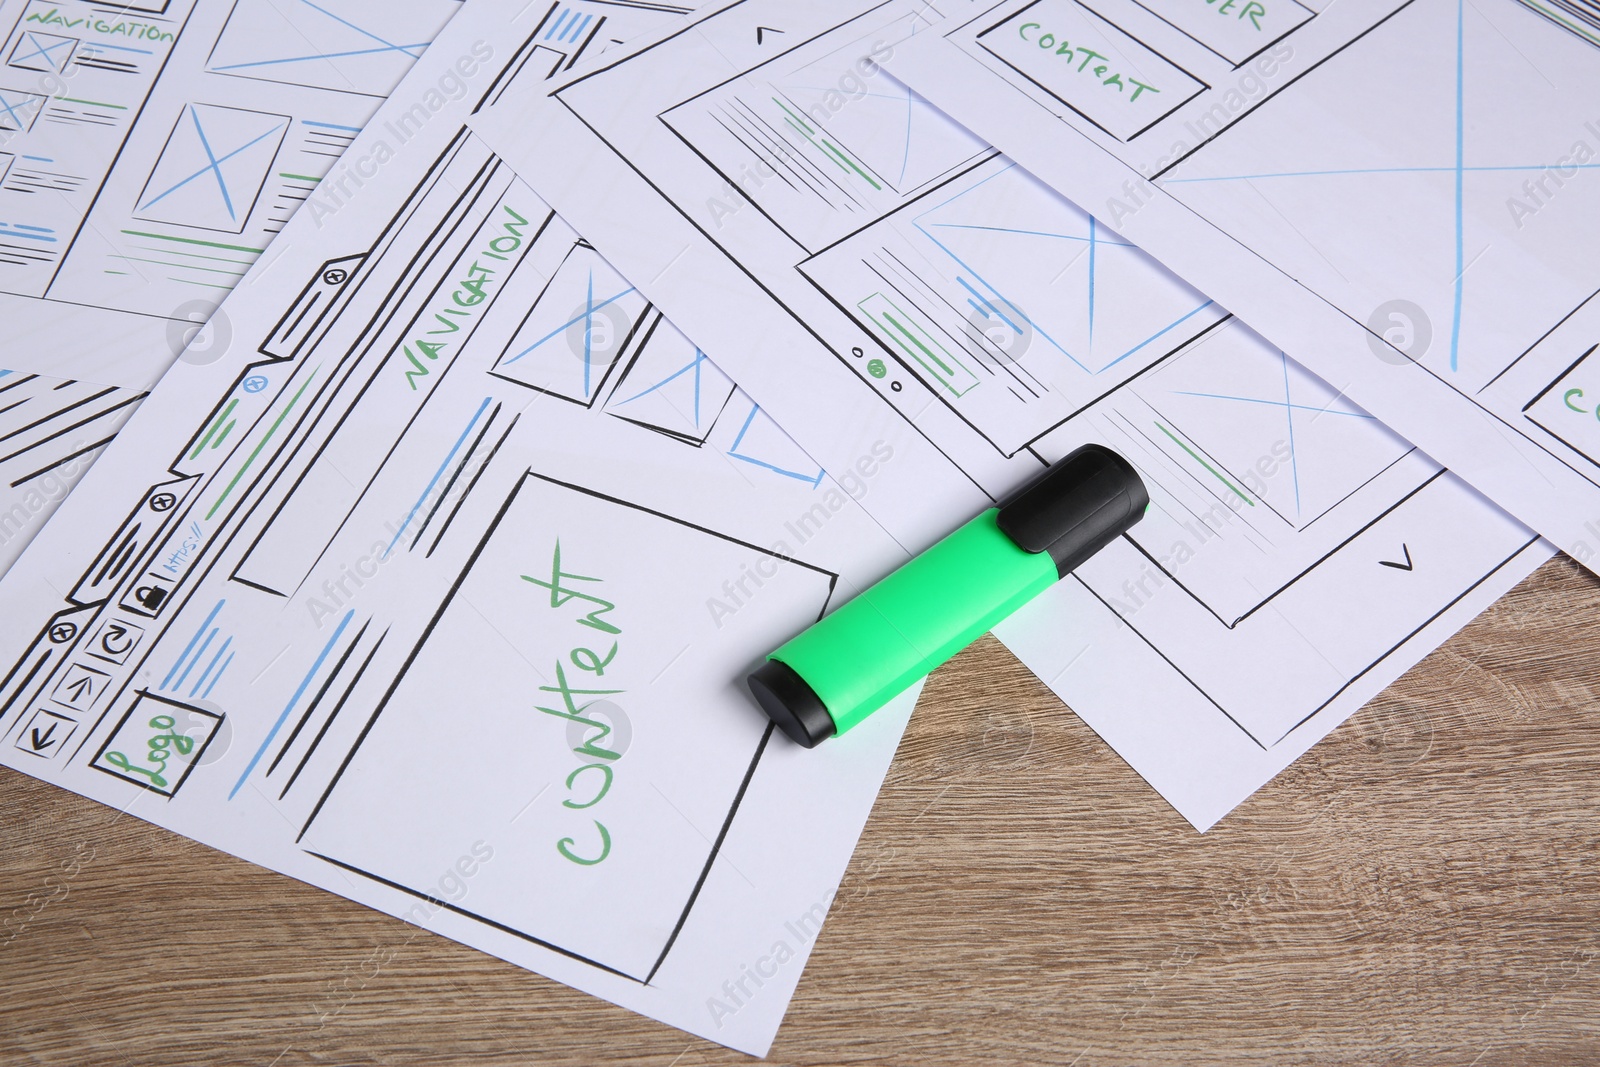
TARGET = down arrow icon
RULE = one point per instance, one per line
(1407, 565)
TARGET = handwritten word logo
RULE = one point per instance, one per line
(591, 780)
(157, 743)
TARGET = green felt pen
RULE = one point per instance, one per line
(877, 645)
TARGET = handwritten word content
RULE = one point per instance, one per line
(591, 780)
(1088, 62)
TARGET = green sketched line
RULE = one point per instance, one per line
(181, 266)
(852, 165)
(831, 150)
(219, 421)
(91, 103)
(299, 177)
(825, 153)
(263, 443)
(245, 263)
(1219, 475)
(892, 321)
(193, 241)
(797, 118)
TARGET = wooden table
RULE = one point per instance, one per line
(1422, 887)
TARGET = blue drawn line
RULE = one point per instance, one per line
(11, 110)
(29, 236)
(905, 154)
(42, 50)
(991, 309)
(588, 335)
(1455, 325)
(1159, 333)
(755, 409)
(198, 682)
(1029, 233)
(1092, 243)
(692, 365)
(216, 168)
(910, 99)
(1094, 240)
(1377, 170)
(436, 476)
(40, 159)
(320, 55)
(391, 46)
(1275, 404)
(304, 682)
(1000, 296)
(588, 313)
(411, 50)
(203, 646)
(218, 677)
(1459, 170)
(25, 226)
(577, 28)
(330, 125)
(120, 48)
(560, 21)
(1288, 411)
(192, 641)
(215, 164)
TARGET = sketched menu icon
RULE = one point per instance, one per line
(212, 168)
(42, 51)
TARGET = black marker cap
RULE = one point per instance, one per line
(1077, 507)
(791, 703)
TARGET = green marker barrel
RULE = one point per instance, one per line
(876, 646)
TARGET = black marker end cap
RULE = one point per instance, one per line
(1082, 503)
(791, 703)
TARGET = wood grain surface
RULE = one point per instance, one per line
(1422, 888)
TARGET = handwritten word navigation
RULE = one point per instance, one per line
(459, 306)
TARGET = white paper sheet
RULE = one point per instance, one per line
(870, 271)
(1399, 193)
(148, 154)
(437, 585)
